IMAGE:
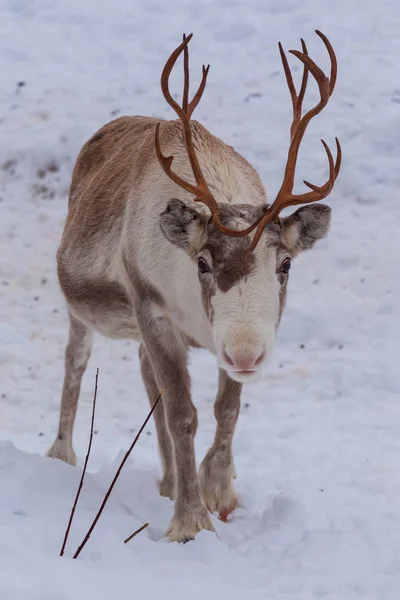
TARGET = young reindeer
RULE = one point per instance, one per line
(190, 257)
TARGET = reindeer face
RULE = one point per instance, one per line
(243, 294)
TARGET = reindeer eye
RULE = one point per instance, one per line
(203, 266)
(285, 266)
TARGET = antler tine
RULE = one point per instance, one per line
(197, 97)
(185, 98)
(297, 99)
(288, 74)
(332, 177)
(332, 56)
(189, 107)
(304, 80)
(166, 72)
(325, 189)
(285, 196)
(338, 157)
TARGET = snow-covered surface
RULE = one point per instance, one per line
(317, 448)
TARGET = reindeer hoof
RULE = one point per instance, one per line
(63, 452)
(183, 528)
(227, 510)
(217, 490)
(223, 502)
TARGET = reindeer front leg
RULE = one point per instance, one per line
(217, 470)
(168, 356)
(167, 483)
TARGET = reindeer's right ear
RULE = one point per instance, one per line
(184, 226)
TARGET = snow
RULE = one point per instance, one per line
(317, 445)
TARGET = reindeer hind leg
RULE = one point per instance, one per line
(77, 354)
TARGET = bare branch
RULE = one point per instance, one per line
(83, 471)
(128, 539)
(114, 481)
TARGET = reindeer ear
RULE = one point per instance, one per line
(304, 227)
(184, 226)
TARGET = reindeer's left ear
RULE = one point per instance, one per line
(304, 227)
(184, 226)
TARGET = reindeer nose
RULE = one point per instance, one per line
(247, 360)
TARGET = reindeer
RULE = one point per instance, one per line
(179, 259)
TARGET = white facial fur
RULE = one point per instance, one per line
(246, 316)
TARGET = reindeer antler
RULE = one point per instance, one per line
(299, 125)
(201, 191)
(326, 86)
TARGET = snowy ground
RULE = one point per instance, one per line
(318, 442)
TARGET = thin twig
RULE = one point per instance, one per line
(128, 539)
(106, 497)
(84, 469)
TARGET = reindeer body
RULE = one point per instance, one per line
(113, 258)
(140, 260)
